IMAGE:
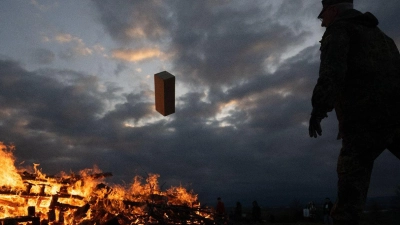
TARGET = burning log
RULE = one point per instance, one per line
(15, 221)
(62, 180)
(33, 195)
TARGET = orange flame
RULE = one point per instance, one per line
(74, 198)
(10, 176)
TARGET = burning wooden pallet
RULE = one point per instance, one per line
(51, 199)
(84, 198)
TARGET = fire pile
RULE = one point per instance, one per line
(84, 198)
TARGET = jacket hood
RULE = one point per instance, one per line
(354, 16)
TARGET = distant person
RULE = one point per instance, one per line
(220, 208)
(256, 212)
(327, 211)
(306, 212)
(359, 77)
(237, 216)
(271, 218)
(312, 211)
(220, 216)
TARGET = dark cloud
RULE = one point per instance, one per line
(53, 107)
(42, 56)
(120, 68)
(71, 53)
(220, 44)
(212, 42)
(67, 54)
(128, 21)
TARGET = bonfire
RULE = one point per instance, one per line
(32, 197)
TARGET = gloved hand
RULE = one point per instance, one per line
(314, 128)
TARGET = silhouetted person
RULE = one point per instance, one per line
(327, 211)
(219, 211)
(312, 210)
(272, 218)
(359, 77)
(256, 212)
(238, 212)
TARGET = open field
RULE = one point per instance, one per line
(288, 216)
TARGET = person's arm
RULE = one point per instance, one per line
(332, 72)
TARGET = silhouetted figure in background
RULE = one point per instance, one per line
(237, 216)
(272, 218)
(220, 211)
(327, 211)
(256, 212)
(359, 77)
(312, 211)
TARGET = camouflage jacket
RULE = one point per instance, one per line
(359, 74)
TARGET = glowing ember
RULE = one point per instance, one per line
(32, 196)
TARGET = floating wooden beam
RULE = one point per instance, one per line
(164, 85)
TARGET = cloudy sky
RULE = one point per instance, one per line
(76, 90)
